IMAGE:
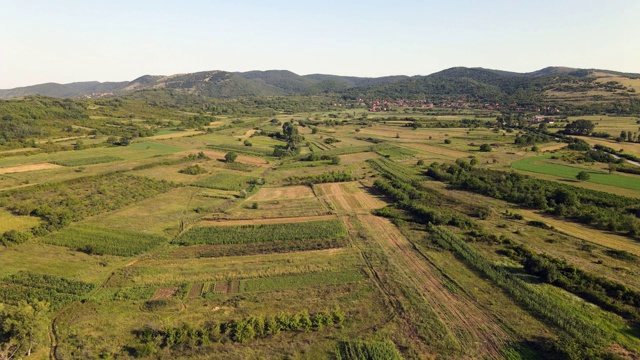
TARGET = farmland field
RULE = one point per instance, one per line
(420, 232)
(539, 165)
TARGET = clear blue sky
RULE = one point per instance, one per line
(79, 40)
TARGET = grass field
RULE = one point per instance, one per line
(9, 221)
(224, 181)
(540, 165)
(297, 281)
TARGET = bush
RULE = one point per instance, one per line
(231, 157)
(447, 141)
(583, 176)
(193, 170)
(485, 148)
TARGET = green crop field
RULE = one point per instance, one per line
(539, 165)
(303, 280)
(262, 233)
(88, 161)
(104, 241)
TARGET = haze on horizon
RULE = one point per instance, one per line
(70, 40)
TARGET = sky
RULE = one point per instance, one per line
(84, 40)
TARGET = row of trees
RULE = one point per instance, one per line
(186, 337)
(598, 209)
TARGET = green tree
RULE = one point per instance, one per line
(231, 157)
(583, 176)
(485, 148)
(23, 329)
(579, 127)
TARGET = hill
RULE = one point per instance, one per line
(454, 84)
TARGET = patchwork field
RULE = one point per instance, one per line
(352, 236)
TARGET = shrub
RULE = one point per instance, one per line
(231, 157)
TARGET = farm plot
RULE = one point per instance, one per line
(205, 251)
(192, 270)
(282, 193)
(244, 234)
(430, 150)
(196, 290)
(348, 196)
(541, 165)
(304, 207)
(219, 155)
(475, 330)
(87, 161)
(301, 280)
(224, 181)
(159, 215)
(26, 286)
(165, 293)
(104, 241)
(26, 168)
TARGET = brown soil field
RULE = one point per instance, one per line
(219, 155)
(348, 196)
(235, 287)
(282, 193)
(479, 333)
(165, 293)
(265, 221)
(25, 168)
(196, 290)
(436, 150)
(222, 287)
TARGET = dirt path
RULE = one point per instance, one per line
(476, 331)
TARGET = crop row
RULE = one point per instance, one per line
(27, 286)
(246, 234)
(262, 248)
(98, 241)
(88, 161)
(187, 338)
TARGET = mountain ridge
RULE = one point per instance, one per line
(256, 83)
